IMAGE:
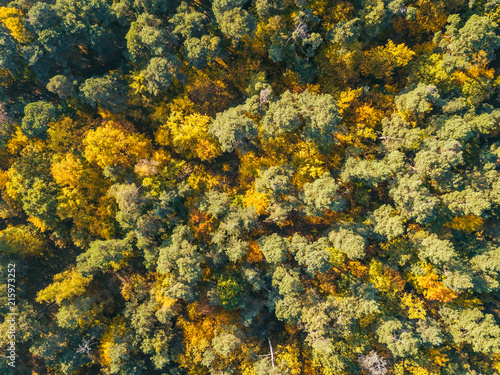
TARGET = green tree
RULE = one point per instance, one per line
(37, 115)
(106, 91)
(233, 20)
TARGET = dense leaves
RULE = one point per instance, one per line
(251, 187)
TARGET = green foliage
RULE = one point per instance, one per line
(398, 337)
(233, 129)
(105, 91)
(61, 86)
(234, 22)
(347, 241)
(159, 74)
(274, 247)
(194, 185)
(473, 327)
(37, 115)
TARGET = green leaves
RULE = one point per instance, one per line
(233, 129)
(234, 22)
(37, 115)
(102, 254)
(274, 247)
(347, 241)
(471, 326)
(106, 91)
(398, 337)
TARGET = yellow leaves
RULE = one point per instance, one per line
(21, 240)
(37, 223)
(68, 171)
(288, 357)
(309, 163)
(198, 335)
(385, 279)
(468, 223)
(258, 200)
(357, 269)
(414, 306)
(17, 142)
(115, 329)
(138, 83)
(160, 286)
(201, 179)
(113, 145)
(346, 98)
(437, 357)
(434, 290)
(381, 61)
(66, 285)
(189, 135)
(11, 18)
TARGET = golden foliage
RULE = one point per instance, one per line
(383, 60)
(385, 279)
(434, 290)
(468, 223)
(11, 18)
(255, 253)
(66, 285)
(189, 135)
(258, 200)
(413, 306)
(114, 145)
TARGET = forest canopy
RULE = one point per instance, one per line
(251, 187)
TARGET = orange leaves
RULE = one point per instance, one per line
(434, 290)
(203, 224)
(255, 253)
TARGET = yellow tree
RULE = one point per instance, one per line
(188, 134)
(115, 145)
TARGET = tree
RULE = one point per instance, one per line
(274, 247)
(188, 22)
(314, 256)
(386, 223)
(436, 250)
(102, 255)
(234, 22)
(373, 363)
(233, 129)
(471, 326)
(37, 115)
(372, 172)
(347, 241)
(8, 49)
(106, 91)
(476, 37)
(398, 337)
(148, 38)
(62, 86)
(160, 72)
(413, 199)
(113, 145)
(181, 260)
(202, 51)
